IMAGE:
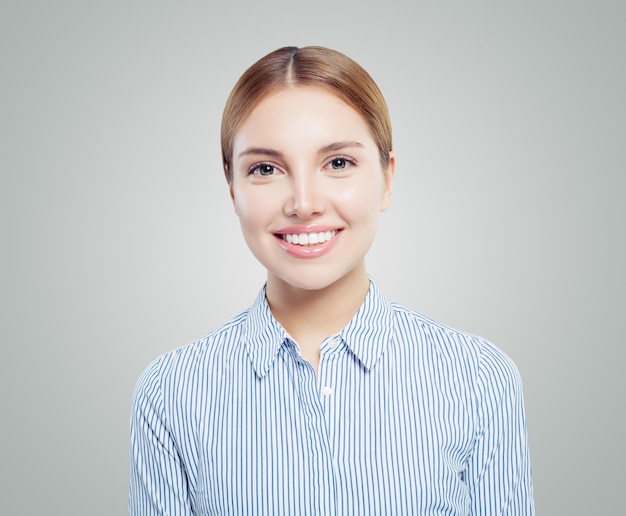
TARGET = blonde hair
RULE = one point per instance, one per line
(307, 66)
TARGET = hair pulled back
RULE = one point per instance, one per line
(308, 66)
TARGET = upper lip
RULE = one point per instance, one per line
(312, 228)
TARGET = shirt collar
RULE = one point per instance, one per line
(367, 334)
(263, 335)
(371, 329)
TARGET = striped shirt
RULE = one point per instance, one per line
(405, 416)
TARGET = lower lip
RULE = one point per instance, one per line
(308, 251)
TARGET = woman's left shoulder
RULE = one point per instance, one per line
(415, 329)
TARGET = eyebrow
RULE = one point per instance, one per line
(276, 154)
(261, 150)
(339, 145)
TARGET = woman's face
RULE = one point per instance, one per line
(308, 186)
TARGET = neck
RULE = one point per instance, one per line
(311, 315)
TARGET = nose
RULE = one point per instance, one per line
(305, 198)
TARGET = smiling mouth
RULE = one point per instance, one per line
(308, 239)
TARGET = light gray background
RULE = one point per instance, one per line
(119, 241)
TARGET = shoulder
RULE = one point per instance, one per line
(200, 356)
(444, 343)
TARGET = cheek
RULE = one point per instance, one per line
(247, 206)
(361, 201)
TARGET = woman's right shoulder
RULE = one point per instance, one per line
(204, 353)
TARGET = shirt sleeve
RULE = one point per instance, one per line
(499, 473)
(158, 482)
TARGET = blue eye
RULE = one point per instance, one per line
(263, 170)
(338, 163)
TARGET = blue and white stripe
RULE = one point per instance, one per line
(406, 416)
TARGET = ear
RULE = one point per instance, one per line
(231, 191)
(388, 186)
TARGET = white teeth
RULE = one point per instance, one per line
(309, 238)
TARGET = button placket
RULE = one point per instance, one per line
(326, 388)
(334, 342)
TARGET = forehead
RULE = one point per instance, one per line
(302, 112)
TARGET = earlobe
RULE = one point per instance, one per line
(388, 179)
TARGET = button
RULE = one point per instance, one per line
(327, 391)
(334, 343)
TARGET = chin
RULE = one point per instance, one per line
(315, 278)
(311, 284)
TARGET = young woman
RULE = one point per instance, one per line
(323, 397)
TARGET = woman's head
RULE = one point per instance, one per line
(289, 67)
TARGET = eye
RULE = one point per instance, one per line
(262, 169)
(339, 163)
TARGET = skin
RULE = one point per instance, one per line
(304, 161)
